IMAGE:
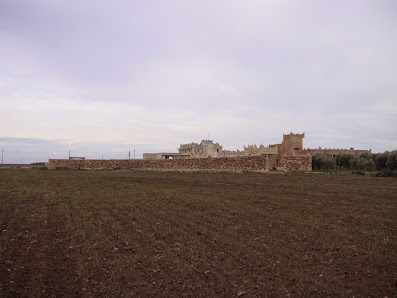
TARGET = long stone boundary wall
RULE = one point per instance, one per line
(301, 163)
(329, 151)
(228, 164)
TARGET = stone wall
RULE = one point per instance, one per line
(302, 163)
(334, 152)
(230, 164)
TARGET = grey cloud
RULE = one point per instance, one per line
(25, 140)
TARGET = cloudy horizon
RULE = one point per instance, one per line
(108, 77)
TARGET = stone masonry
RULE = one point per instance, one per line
(291, 146)
(209, 156)
(298, 163)
(231, 164)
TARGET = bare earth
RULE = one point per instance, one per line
(112, 233)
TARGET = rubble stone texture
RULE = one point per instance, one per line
(301, 163)
(230, 164)
(291, 146)
(334, 152)
(288, 156)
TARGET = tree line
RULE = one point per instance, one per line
(386, 161)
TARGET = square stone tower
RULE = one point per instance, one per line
(292, 145)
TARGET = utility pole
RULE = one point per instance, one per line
(129, 157)
(134, 153)
(2, 150)
(102, 156)
(69, 154)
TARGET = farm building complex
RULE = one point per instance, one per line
(292, 145)
(287, 156)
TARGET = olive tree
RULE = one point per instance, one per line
(354, 163)
(369, 165)
(391, 162)
(329, 162)
(380, 160)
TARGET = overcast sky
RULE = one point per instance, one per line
(105, 77)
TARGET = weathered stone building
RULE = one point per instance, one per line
(209, 156)
(289, 148)
(207, 148)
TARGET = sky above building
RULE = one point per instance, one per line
(101, 78)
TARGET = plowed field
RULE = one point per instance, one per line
(125, 233)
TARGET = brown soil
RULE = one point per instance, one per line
(108, 233)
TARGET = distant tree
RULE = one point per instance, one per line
(339, 161)
(380, 160)
(329, 162)
(361, 162)
(391, 162)
(373, 156)
(342, 160)
(317, 161)
(323, 162)
(347, 160)
(369, 165)
(354, 163)
(366, 155)
(366, 161)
